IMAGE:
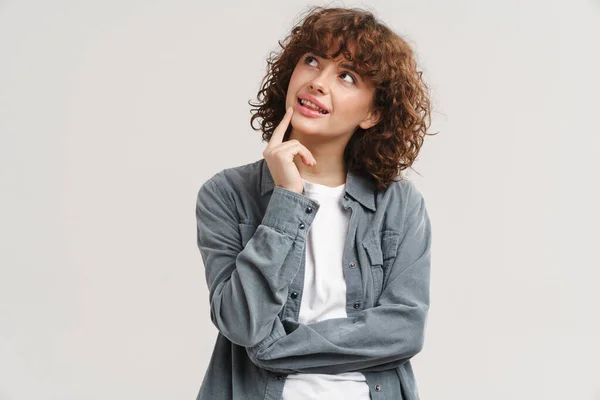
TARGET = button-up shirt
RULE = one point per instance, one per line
(252, 235)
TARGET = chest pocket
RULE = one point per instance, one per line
(381, 250)
(246, 232)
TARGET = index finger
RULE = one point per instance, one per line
(279, 132)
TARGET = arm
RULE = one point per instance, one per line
(248, 286)
(376, 339)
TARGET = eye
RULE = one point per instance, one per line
(307, 61)
(307, 58)
(350, 75)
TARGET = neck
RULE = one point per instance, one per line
(330, 169)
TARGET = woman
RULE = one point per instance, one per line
(316, 259)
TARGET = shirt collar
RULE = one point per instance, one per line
(359, 187)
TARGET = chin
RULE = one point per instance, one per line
(307, 129)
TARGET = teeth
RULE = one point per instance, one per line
(312, 105)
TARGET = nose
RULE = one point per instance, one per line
(317, 86)
(320, 81)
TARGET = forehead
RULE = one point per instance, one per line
(322, 50)
(342, 61)
(328, 55)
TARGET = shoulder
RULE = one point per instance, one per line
(237, 176)
(233, 184)
(404, 192)
(403, 205)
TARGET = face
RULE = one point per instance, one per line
(334, 86)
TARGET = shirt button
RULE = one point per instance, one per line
(357, 305)
(279, 377)
(309, 210)
(352, 265)
(294, 295)
(377, 388)
(301, 226)
(346, 196)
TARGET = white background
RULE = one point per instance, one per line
(113, 113)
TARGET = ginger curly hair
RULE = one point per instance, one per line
(382, 152)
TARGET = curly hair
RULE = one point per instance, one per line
(383, 151)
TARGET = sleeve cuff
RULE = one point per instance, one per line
(290, 212)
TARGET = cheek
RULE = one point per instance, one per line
(291, 93)
(293, 85)
(296, 75)
(350, 106)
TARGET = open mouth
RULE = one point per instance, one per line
(312, 107)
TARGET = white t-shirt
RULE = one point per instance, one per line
(324, 294)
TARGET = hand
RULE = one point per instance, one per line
(280, 157)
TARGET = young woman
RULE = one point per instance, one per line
(317, 260)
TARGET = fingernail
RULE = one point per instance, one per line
(289, 110)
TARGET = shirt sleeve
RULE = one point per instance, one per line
(248, 286)
(374, 339)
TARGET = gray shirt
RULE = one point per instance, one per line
(252, 235)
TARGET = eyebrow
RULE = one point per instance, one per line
(350, 67)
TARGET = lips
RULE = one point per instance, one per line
(314, 100)
(311, 107)
(309, 112)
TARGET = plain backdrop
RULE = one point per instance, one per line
(113, 114)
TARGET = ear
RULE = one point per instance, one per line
(371, 119)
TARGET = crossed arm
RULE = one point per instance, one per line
(249, 286)
(375, 339)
